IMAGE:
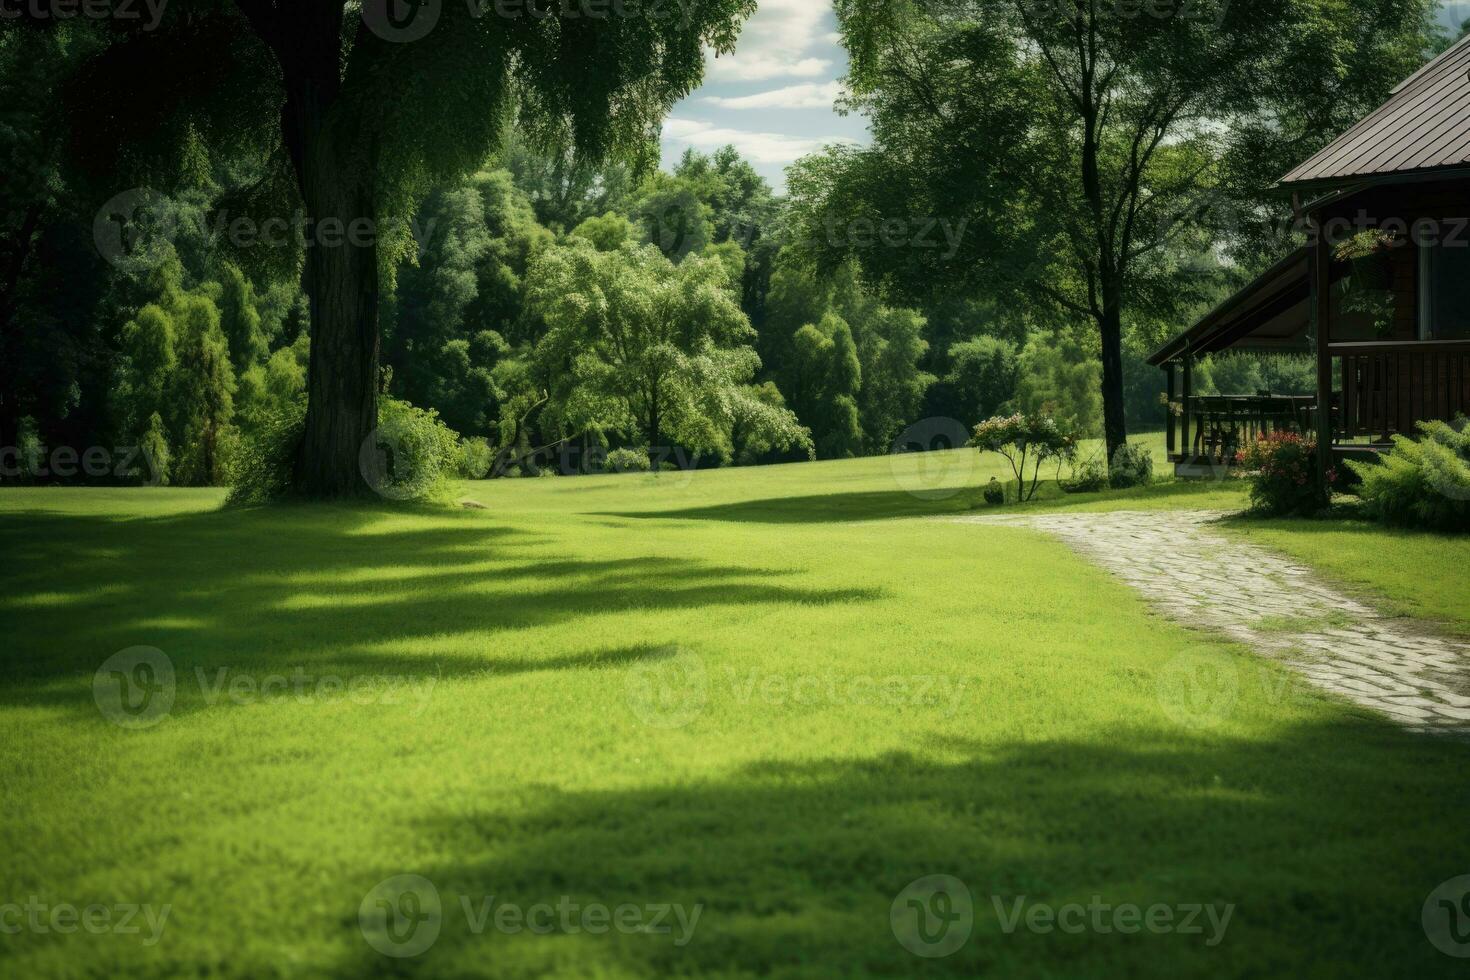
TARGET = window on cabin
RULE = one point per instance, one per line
(1444, 290)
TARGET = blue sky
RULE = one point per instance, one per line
(773, 98)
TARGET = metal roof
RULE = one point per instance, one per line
(1425, 125)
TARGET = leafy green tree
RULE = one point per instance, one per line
(53, 361)
(607, 232)
(650, 350)
(353, 114)
(201, 393)
(672, 215)
(1060, 380)
(1077, 150)
(241, 320)
(982, 379)
(176, 382)
(824, 378)
(889, 344)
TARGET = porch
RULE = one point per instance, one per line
(1373, 389)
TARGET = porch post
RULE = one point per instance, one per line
(1169, 407)
(1184, 416)
(1322, 324)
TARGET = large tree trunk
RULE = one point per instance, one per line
(1115, 422)
(342, 379)
(334, 162)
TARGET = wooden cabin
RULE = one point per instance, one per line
(1380, 295)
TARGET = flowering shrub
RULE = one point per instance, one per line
(1023, 439)
(1284, 475)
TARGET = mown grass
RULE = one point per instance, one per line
(777, 695)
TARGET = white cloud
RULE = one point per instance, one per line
(771, 148)
(776, 43)
(813, 95)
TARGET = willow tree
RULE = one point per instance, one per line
(1064, 154)
(347, 113)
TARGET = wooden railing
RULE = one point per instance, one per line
(1385, 388)
(1219, 426)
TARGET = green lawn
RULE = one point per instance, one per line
(772, 698)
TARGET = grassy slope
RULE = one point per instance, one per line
(1065, 768)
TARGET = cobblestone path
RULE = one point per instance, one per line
(1202, 577)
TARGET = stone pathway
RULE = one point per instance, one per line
(1201, 577)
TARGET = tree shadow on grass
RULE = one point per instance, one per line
(330, 590)
(837, 508)
(1326, 838)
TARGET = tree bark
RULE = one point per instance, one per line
(654, 424)
(1115, 421)
(333, 158)
(342, 378)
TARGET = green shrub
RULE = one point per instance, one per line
(260, 466)
(995, 494)
(1132, 466)
(627, 461)
(1090, 477)
(475, 458)
(412, 454)
(1421, 483)
(1284, 474)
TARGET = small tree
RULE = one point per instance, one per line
(1022, 440)
(650, 350)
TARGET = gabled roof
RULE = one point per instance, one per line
(1270, 314)
(1424, 125)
